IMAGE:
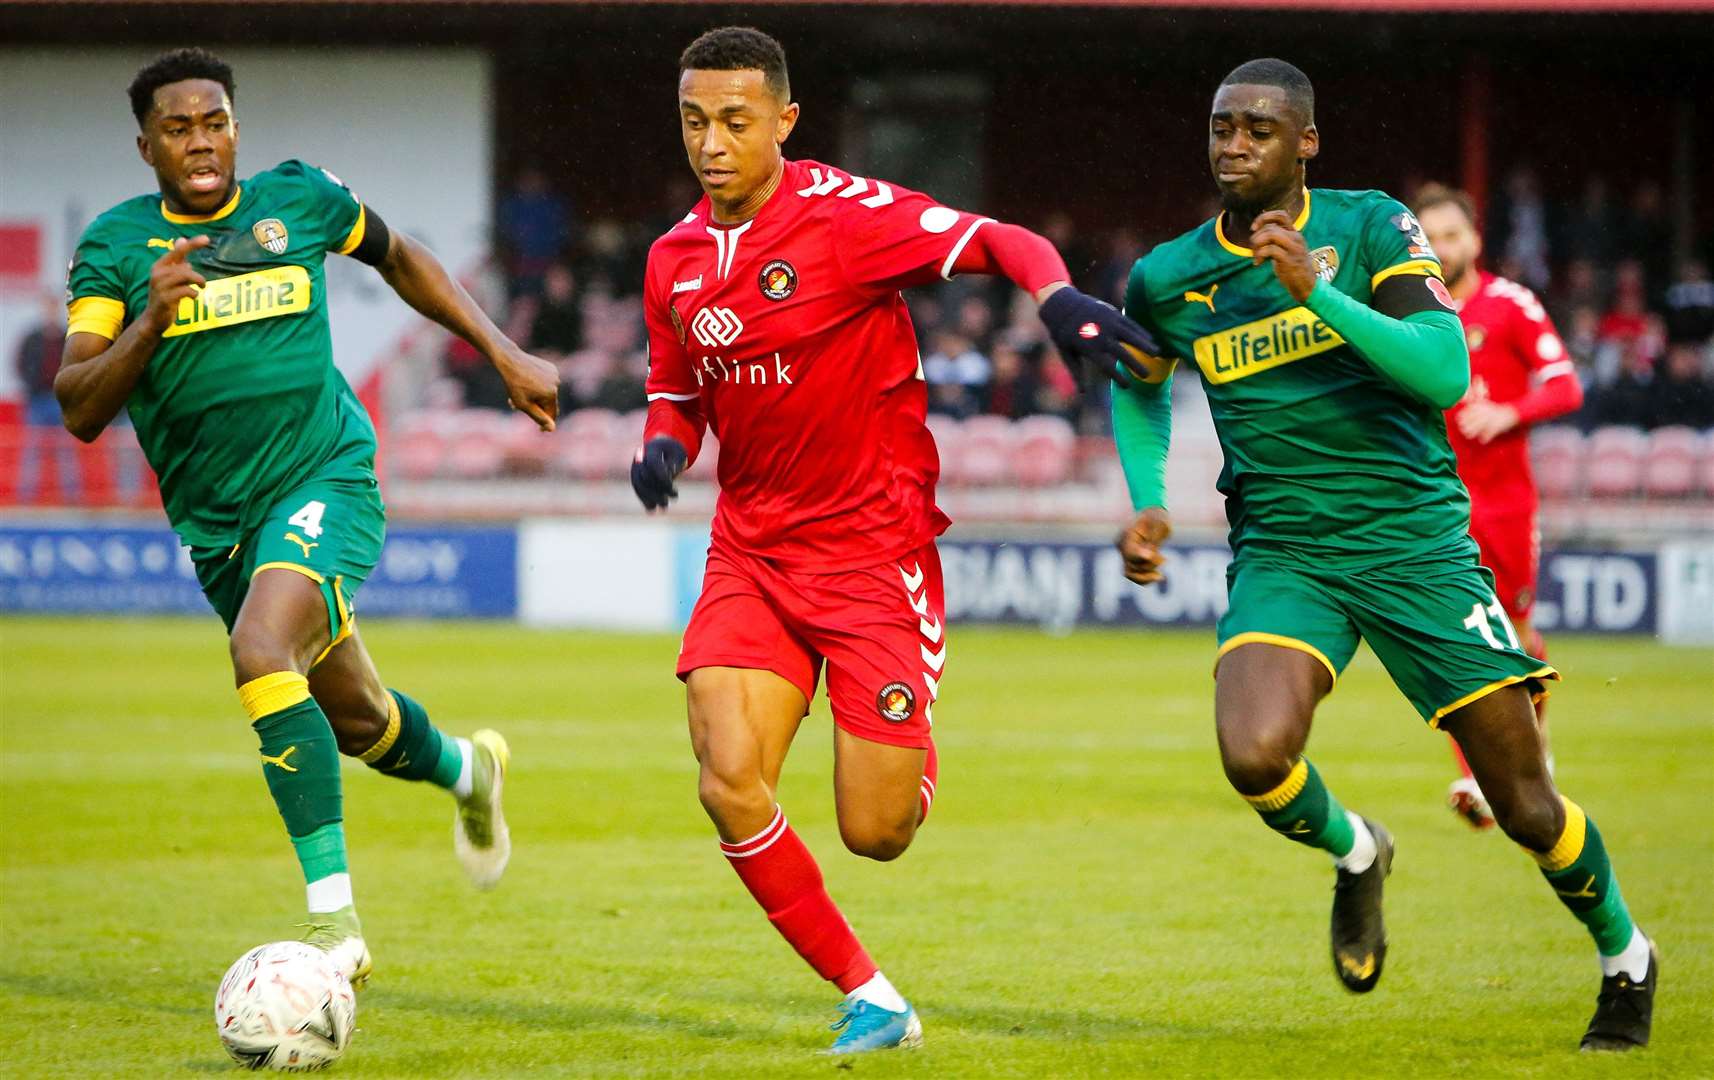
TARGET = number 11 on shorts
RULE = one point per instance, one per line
(1480, 619)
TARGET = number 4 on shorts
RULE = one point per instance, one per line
(1480, 617)
(309, 520)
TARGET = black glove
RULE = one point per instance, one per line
(1092, 331)
(654, 469)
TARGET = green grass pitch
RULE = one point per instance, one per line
(1089, 898)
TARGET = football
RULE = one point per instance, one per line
(285, 1007)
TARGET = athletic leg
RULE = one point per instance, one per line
(391, 733)
(282, 625)
(1504, 746)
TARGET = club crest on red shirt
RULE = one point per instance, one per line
(778, 279)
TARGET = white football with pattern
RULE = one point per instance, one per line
(285, 1007)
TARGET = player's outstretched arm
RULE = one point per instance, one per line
(422, 282)
(97, 373)
(1084, 329)
(1142, 430)
(1410, 336)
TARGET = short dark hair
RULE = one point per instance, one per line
(739, 48)
(176, 66)
(1268, 71)
(1430, 196)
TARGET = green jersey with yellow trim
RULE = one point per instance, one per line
(241, 401)
(1326, 461)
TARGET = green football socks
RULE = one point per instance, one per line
(1301, 808)
(1582, 876)
(411, 748)
(300, 762)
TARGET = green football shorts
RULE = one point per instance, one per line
(1436, 626)
(330, 531)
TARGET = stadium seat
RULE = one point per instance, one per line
(1045, 452)
(989, 442)
(588, 443)
(949, 441)
(1556, 458)
(415, 454)
(1671, 465)
(1616, 461)
(477, 447)
(528, 449)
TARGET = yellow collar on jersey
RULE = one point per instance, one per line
(1244, 252)
(192, 219)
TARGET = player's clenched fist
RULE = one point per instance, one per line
(1094, 332)
(532, 386)
(657, 465)
(172, 279)
(1272, 236)
(1140, 545)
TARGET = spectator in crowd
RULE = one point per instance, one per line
(557, 326)
(1592, 228)
(49, 451)
(1013, 391)
(957, 375)
(1628, 398)
(1682, 392)
(1646, 235)
(1690, 303)
(1518, 221)
(535, 226)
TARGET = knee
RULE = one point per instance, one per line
(730, 798)
(1534, 821)
(1258, 759)
(257, 652)
(875, 839)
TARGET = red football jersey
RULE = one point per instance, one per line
(790, 330)
(1514, 351)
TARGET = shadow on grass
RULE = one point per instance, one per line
(102, 993)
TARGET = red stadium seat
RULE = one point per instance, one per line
(1616, 461)
(1670, 467)
(415, 455)
(987, 453)
(1046, 449)
(949, 442)
(589, 442)
(477, 444)
(1556, 458)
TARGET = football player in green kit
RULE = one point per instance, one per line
(202, 310)
(1320, 327)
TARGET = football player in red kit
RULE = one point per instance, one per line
(775, 319)
(1520, 375)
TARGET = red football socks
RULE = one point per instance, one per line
(781, 874)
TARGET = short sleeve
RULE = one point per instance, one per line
(339, 209)
(670, 374)
(1395, 243)
(95, 291)
(888, 237)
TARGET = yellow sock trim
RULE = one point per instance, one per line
(271, 693)
(388, 737)
(1288, 790)
(1570, 844)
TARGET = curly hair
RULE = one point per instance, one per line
(176, 66)
(739, 48)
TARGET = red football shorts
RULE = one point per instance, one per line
(1511, 548)
(881, 630)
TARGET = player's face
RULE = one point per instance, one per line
(1453, 237)
(190, 138)
(733, 127)
(1256, 146)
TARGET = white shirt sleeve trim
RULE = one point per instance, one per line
(958, 248)
(673, 397)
